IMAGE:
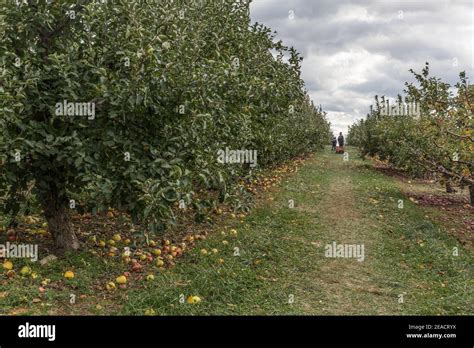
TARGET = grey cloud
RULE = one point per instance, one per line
(355, 49)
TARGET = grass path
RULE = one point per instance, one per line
(277, 265)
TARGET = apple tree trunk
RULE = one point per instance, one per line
(56, 212)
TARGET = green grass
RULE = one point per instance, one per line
(281, 258)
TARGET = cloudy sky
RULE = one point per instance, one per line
(356, 49)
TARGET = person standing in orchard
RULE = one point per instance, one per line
(340, 140)
(334, 143)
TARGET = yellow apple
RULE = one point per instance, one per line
(193, 299)
(69, 274)
(121, 280)
(25, 271)
(8, 265)
(150, 312)
(110, 286)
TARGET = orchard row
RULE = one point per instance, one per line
(436, 141)
(198, 79)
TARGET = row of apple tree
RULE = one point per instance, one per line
(138, 105)
(429, 131)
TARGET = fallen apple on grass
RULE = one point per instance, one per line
(121, 280)
(25, 271)
(110, 286)
(150, 312)
(136, 266)
(8, 265)
(193, 299)
(69, 274)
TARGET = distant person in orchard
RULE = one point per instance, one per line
(334, 143)
(340, 139)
